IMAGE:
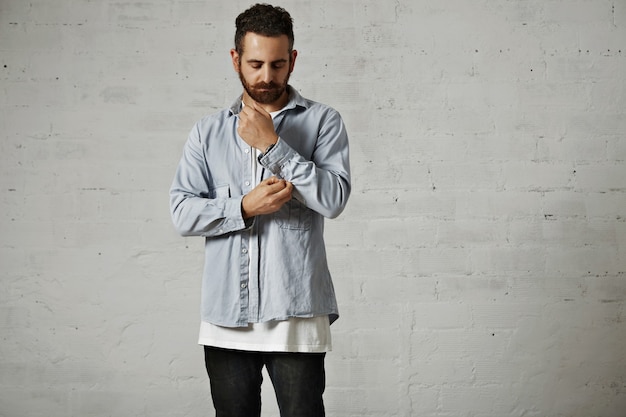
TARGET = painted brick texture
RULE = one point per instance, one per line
(480, 265)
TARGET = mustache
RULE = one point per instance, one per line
(266, 86)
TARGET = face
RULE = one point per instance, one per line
(264, 68)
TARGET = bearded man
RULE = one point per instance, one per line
(257, 180)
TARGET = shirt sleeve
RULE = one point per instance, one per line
(195, 207)
(322, 183)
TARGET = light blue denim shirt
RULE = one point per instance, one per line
(274, 266)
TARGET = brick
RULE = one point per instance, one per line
(479, 264)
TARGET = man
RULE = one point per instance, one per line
(257, 180)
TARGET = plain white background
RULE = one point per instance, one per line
(480, 262)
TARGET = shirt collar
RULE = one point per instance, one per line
(295, 100)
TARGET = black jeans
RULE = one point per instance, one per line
(299, 381)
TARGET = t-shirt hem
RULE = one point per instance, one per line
(266, 348)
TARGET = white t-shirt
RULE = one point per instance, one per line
(310, 335)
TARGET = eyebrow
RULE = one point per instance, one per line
(258, 61)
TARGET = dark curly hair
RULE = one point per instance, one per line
(265, 20)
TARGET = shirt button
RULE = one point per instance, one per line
(247, 183)
(247, 150)
(244, 250)
(243, 285)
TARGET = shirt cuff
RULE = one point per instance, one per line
(276, 158)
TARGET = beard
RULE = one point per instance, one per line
(264, 93)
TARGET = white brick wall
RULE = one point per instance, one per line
(480, 265)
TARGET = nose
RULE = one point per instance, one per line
(267, 74)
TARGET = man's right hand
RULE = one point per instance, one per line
(267, 197)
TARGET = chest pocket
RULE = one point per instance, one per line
(294, 215)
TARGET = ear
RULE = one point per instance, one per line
(294, 55)
(234, 56)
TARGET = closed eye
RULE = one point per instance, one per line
(275, 64)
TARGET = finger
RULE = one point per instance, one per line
(248, 103)
(259, 109)
(243, 113)
(271, 180)
(252, 105)
(283, 195)
(274, 179)
(277, 186)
